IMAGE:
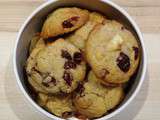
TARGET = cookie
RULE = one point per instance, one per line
(79, 37)
(31, 59)
(56, 68)
(64, 20)
(94, 99)
(97, 17)
(60, 106)
(42, 99)
(113, 52)
(33, 42)
(113, 98)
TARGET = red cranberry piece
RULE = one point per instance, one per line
(75, 18)
(80, 116)
(80, 88)
(136, 52)
(68, 77)
(69, 64)
(77, 57)
(67, 114)
(65, 54)
(69, 23)
(123, 62)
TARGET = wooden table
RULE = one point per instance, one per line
(146, 105)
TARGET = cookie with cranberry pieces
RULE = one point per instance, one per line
(57, 67)
(95, 100)
(64, 20)
(113, 52)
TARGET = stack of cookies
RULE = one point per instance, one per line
(79, 63)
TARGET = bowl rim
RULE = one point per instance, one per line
(118, 110)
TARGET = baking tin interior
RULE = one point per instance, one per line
(35, 23)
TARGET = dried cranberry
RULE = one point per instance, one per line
(80, 116)
(80, 88)
(68, 77)
(69, 23)
(103, 73)
(136, 52)
(88, 69)
(123, 28)
(123, 62)
(77, 57)
(75, 18)
(69, 64)
(66, 54)
(67, 114)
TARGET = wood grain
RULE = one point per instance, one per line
(146, 105)
(146, 13)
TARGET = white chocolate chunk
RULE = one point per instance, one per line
(115, 43)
